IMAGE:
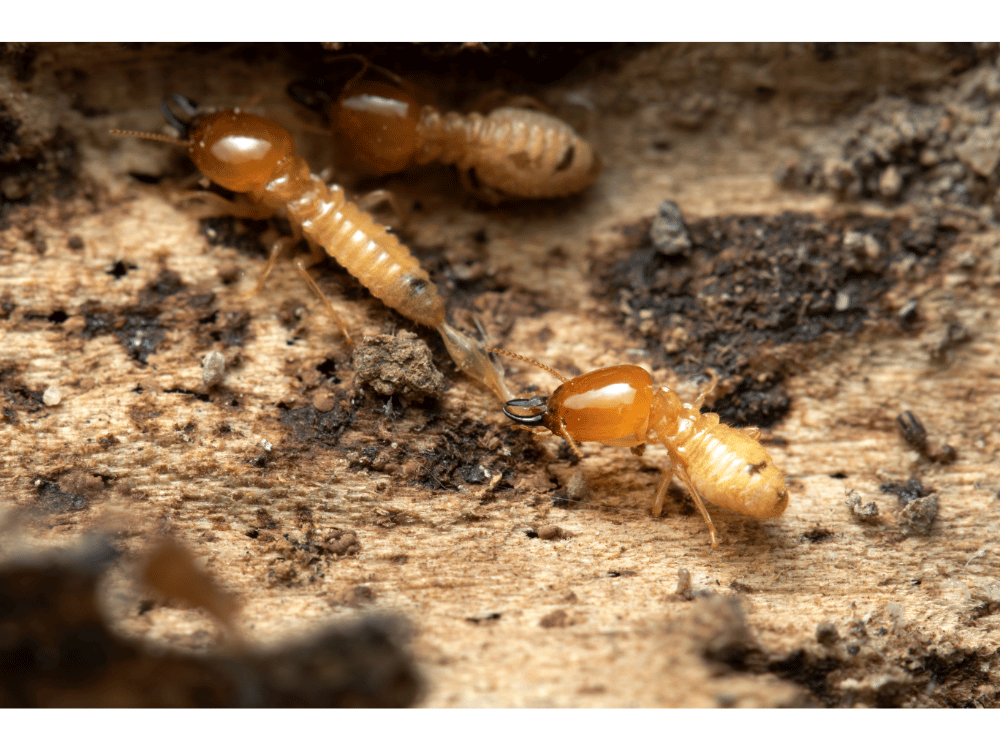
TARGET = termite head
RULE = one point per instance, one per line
(236, 150)
(610, 405)
(379, 121)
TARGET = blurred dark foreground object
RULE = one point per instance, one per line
(57, 651)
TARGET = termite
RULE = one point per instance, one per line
(512, 152)
(253, 156)
(619, 406)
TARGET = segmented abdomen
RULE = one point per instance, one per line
(361, 245)
(731, 469)
(518, 151)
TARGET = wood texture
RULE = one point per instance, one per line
(114, 295)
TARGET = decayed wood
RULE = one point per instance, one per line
(267, 474)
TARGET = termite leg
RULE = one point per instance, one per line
(215, 205)
(752, 432)
(277, 248)
(286, 243)
(661, 493)
(476, 189)
(562, 432)
(698, 501)
(713, 381)
(570, 440)
(301, 268)
(375, 197)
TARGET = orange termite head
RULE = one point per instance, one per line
(379, 122)
(609, 405)
(236, 150)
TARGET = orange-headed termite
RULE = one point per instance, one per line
(248, 154)
(619, 406)
(512, 152)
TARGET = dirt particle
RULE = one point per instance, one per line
(487, 619)
(940, 345)
(324, 402)
(265, 520)
(228, 272)
(355, 596)
(684, 590)
(817, 534)
(918, 516)
(552, 533)
(668, 232)
(826, 633)
(861, 510)
(556, 619)
(905, 493)
(213, 369)
(52, 396)
(576, 487)
(398, 365)
(108, 440)
(341, 543)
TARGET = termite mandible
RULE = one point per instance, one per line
(512, 152)
(248, 154)
(619, 406)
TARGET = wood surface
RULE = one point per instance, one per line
(452, 509)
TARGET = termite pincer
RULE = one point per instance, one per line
(248, 154)
(619, 406)
(512, 152)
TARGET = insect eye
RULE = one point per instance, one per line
(531, 419)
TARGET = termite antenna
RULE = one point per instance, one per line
(365, 65)
(311, 94)
(151, 137)
(547, 369)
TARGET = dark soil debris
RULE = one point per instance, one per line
(753, 290)
(301, 559)
(914, 432)
(905, 493)
(241, 234)
(942, 149)
(15, 395)
(52, 498)
(817, 534)
(809, 671)
(308, 424)
(141, 333)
